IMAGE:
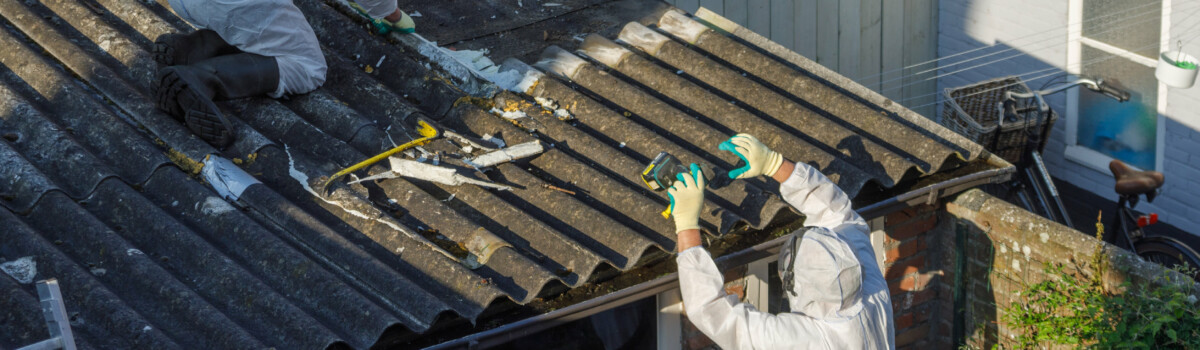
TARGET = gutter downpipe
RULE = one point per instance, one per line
(532, 325)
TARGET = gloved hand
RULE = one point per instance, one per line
(759, 159)
(687, 199)
(382, 26)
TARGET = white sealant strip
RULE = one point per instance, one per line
(302, 178)
(508, 154)
(603, 50)
(643, 38)
(682, 27)
(226, 178)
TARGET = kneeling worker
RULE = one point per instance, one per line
(244, 48)
(837, 294)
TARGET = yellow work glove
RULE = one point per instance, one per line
(759, 159)
(687, 199)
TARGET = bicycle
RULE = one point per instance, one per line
(1131, 184)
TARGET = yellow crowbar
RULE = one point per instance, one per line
(426, 128)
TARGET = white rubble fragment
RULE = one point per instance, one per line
(494, 140)
(23, 269)
(132, 251)
(421, 171)
(552, 4)
(226, 178)
(214, 206)
(490, 146)
(546, 103)
(99, 272)
(510, 115)
(415, 14)
(508, 154)
(563, 114)
(622, 145)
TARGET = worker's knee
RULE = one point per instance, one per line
(299, 75)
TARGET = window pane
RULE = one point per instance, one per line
(1133, 25)
(1125, 131)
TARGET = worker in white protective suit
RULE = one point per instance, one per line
(836, 291)
(245, 48)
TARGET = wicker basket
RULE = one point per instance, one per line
(974, 112)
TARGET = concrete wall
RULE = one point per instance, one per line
(869, 41)
(969, 24)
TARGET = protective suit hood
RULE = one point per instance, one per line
(826, 277)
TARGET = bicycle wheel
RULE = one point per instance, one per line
(1169, 252)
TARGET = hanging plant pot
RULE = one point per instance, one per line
(1176, 69)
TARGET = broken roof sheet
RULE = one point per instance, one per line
(111, 197)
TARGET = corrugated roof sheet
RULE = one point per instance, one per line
(101, 189)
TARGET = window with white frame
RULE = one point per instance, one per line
(1118, 41)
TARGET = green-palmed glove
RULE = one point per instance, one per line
(687, 199)
(382, 26)
(759, 159)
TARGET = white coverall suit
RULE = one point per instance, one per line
(839, 299)
(273, 28)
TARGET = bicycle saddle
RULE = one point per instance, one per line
(1131, 182)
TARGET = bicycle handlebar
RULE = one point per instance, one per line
(1111, 91)
(1095, 85)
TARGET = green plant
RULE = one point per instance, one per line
(1070, 310)
(1185, 65)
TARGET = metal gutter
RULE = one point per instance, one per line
(533, 325)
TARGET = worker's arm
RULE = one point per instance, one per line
(728, 322)
(820, 200)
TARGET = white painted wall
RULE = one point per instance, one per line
(968, 24)
(860, 39)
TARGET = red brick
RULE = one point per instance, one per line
(911, 229)
(904, 321)
(912, 336)
(904, 267)
(899, 216)
(906, 249)
(901, 301)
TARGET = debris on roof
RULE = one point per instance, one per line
(447, 176)
(377, 263)
(507, 154)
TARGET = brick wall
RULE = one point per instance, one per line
(906, 263)
(997, 249)
(1038, 28)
